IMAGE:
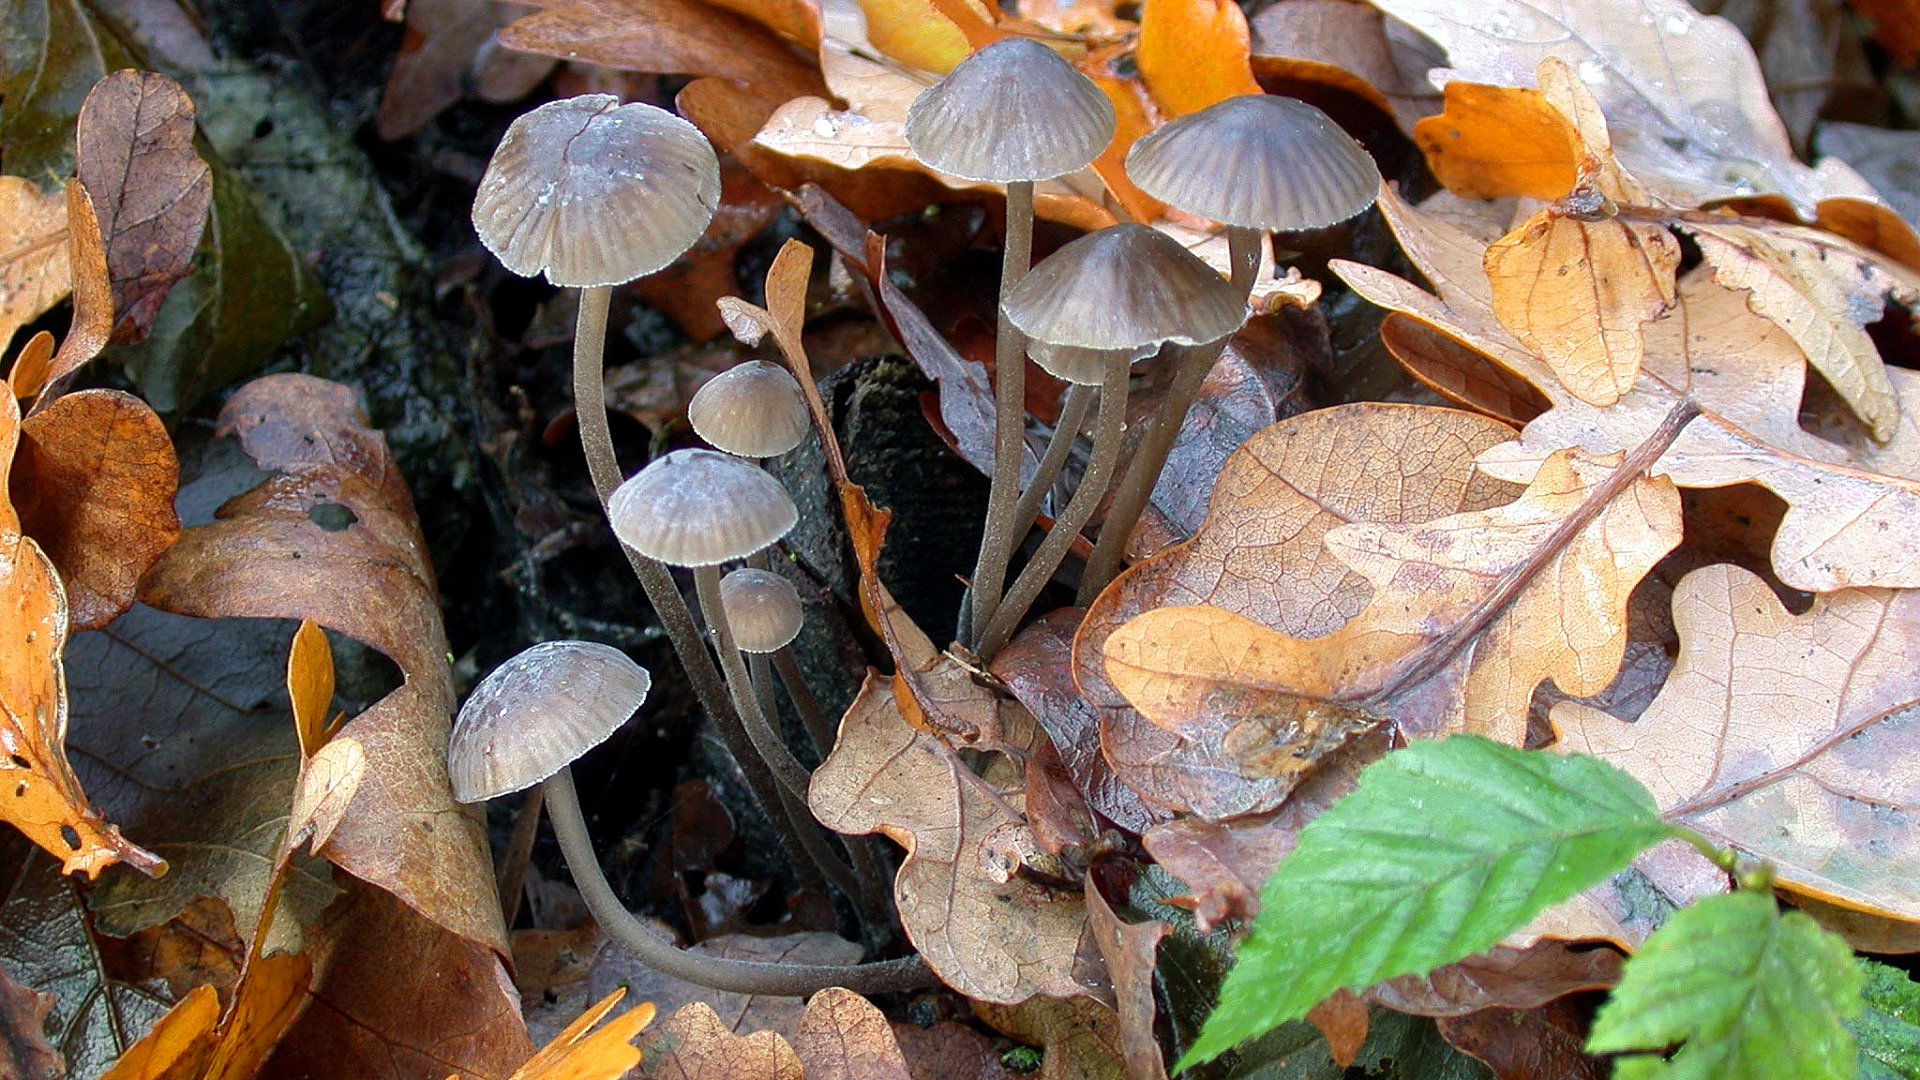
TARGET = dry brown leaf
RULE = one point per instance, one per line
(1504, 976)
(1342, 1018)
(94, 482)
(134, 152)
(1784, 736)
(990, 936)
(331, 536)
(1577, 292)
(685, 37)
(24, 1050)
(584, 1051)
(1079, 1039)
(447, 43)
(1522, 1044)
(950, 1051)
(692, 1044)
(843, 1037)
(1261, 554)
(1461, 374)
(1131, 951)
(1346, 45)
(34, 269)
(742, 1014)
(92, 288)
(1851, 505)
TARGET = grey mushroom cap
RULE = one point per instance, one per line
(1126, 287)
(1086, 367)
(538, 713)
(700, 508)
(1012, 111)
(754, 410)
(592, 192)
(1257, 161)
(763, 609)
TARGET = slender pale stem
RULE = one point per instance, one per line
(787, 770)
(718, 973)
(596, 441)
(760, 670)
(1243, 255)
(1010, 404)
(1073, 416)
(1136, 487)
(819, 726)
(1093, 486)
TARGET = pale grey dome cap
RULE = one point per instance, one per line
(538, 713)
(753, 410)
(700, 508)
(1257, 161)
(1012, 111)
(1086, 367)
(1124, 288)
(763, 609)
(592, 192)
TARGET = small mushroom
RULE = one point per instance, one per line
(1013, 113)
(766, 614)
(1090, 310)
(752, 410)
(526, 723)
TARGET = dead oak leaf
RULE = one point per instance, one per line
(34, 269)
(1131, 951)
(1789, 737)
(843, 1037)
(989, 935)
(692, 1044)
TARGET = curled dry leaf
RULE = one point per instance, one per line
(1521, 1044)
(1131, 951)
(1261, 554)
(34, 269)
(843, 1037)
(1853, 511)
(684, 37)
(134, 152)
(692, 1044)
(331, 536)
(1503, 976)
(449, 44)
(1347, 46)
(1576, 292)
(990, 936)
(92, 321)
(1788, 737)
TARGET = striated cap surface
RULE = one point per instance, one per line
(763, 609)
(1012, 111)
(538, 713)
(1257, 161)
(753, 410)
(592, 192)
(1125, 288)
(700, 508)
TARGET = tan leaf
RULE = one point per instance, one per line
(1080, 1039)
(1131, 951)
(692, 1044)
(92, 288)
(1788, 737)
(1342, 1019)
(742, 1014)
(1577, 292)
(988, 935)
(685, 37)
(1348, 46)
(34, 271)
(843, 1037)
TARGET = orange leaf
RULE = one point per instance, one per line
(1193, 53)
(92, 288)
(1134, 115)
(1492, 141)
(932, 35)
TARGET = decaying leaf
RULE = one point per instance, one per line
(742, 1014)
(34, 271)
(991, 936)
(1494, 141)
(1079, 1039)
(843, 1037)
(692, 1044)
(24, 1050)
(589, 1050)
(1131, 952)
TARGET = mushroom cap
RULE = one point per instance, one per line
(1085, 367)
(593, 192)
(763, 609)
(754, 410)
(1012, 111)
(1257, 161)
(1126, 288)
(538, 713)
(700, 508)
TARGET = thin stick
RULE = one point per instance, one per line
(1093, 486)
(718, 973)
(1010, 422)
(1073, 416)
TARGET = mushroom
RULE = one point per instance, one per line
(699, 509)
(1090, 310)
(766, 615)
(525, 725)
(751, 410)
(1254, 163)
(1012, 113)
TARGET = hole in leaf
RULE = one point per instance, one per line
(332, 516)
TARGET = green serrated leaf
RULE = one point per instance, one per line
(1889, 1028)
(1746, 992)
(1443, 849)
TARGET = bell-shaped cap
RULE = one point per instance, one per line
(763, 609)
(1125, 288)
(1012, 111)
(1086, 367)
(1259, 162)
(538, 713)
(700, 508)
(593, 192)
(753, 410)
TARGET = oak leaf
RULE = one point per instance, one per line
(1131, 951)
(843, 1037)
(34, 271)
(692, 1044)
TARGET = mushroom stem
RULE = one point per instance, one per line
(1066, 432)
(1010, 419)
(1243, 255)
(1192, 364)
(1086, 497)
(792, 776)
(596, 441)
(760, 671)
(818, 725)
(714, 972)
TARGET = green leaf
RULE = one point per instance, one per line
(1889, 1028)
(1443, 849)
(1746, 992)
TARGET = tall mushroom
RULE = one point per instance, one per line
(1013, 113)
(751, 410)
(526, 723)
(1089, 311)
(765, 614)
(1253, 163)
